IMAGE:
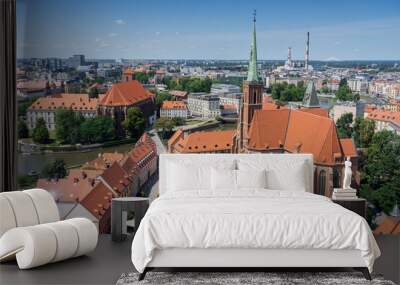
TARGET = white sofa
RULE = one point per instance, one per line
(31, 230)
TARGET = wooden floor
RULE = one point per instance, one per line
(110, 259)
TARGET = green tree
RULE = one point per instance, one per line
(165, 125)
(343, 125)
(161, 97)
(363, 131)
(55, 170)
(97, 130)
(68, 126)
(142, 77)
(93, 92)
(344, 93)
(99, 79)
(40, 133)
(179, 121)
(23, 131)
(380, 173)
(134, 122)
(288, 92)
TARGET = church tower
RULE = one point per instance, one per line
(252, 96)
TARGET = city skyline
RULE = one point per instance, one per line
(206, 30)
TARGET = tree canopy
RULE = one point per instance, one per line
(380, 172)
(285, 92)
(189, 84)
(23, 131)
(55, 170)
(40, 133)
(97, 130)
(344, 127)
(363, 131)
(68, 126)
(134, 122)
(161, 97)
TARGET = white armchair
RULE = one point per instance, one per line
(31, 230)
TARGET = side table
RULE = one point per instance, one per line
(357, 205)
(119, 210)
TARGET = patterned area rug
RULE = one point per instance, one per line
(242, 278)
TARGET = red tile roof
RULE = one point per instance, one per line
(316, 111)
(348, 147)
(73, 188)
(116, 177)
(32, 86)
(391, 225)
(173, 105)
(295, 131)
(103, 161)
(98, 201)
(76, 102)
(126, 94)
(386, 116)
(178, 93)
(213, 141)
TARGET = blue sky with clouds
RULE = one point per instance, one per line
(206, 29)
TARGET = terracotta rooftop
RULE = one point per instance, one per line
(174, 105)
(103, 161)
(32, 86)
(391, 225)
(116, 177)
(140, 151)
(198, 142)
(126, 94)
(73, 188)
(383, 115)
(78, 102)
(316, 111)
(128, 71)
(178, 134)
(98, 200)
(271, 106)
(178, 93)
(348, 147)
(295, 131)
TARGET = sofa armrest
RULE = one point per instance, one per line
(41, 244)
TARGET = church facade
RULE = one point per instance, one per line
(306, 129)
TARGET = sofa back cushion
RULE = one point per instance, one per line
(26, 208)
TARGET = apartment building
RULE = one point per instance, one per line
(203, 105)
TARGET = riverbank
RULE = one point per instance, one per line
(37, 161)
(31, 148)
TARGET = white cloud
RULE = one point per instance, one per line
(157, 33)
(112, 34)
(97, 40)
(120, 22)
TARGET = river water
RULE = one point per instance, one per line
(36, 162)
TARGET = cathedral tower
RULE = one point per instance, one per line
(252, 96)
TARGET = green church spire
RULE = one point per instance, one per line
(252, 73)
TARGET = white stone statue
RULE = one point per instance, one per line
(347, 174)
